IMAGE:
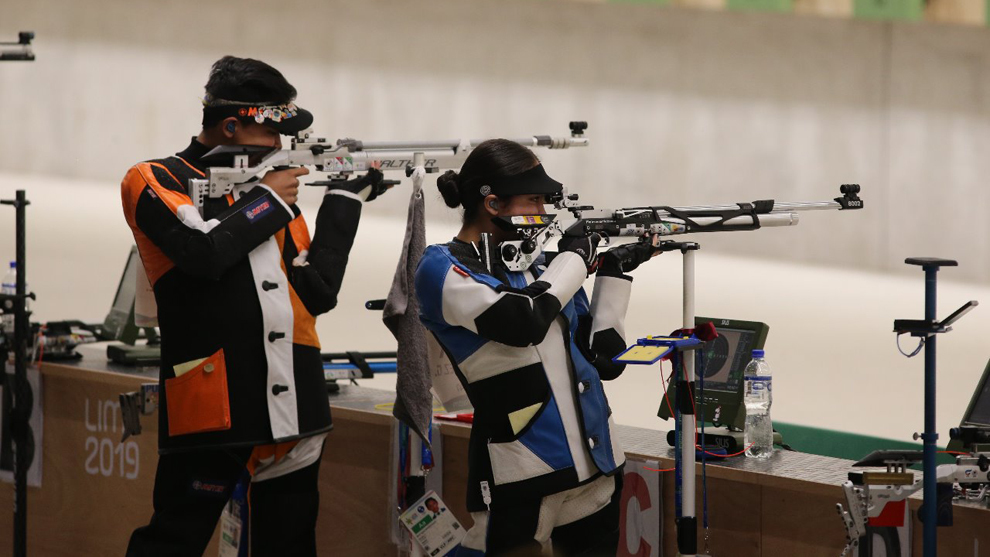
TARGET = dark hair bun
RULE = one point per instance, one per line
(448, 183)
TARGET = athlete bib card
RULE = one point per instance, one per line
(433, 526)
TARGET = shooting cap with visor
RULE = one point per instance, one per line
(534, 181)
(285, 118)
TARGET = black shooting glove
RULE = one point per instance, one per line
(367, 187)
(624, 259)
(585, 246)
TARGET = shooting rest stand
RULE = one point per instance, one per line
(681, 350)
(18, 397)
(684, 417)
(927, 330)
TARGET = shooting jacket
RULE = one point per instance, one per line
(531, 352)
(238, 289)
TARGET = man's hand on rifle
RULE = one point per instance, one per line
(366, 188)
(285, 183)
(626, 258)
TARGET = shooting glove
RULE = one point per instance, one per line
(585, 246)
(367, 187)
(624, 259)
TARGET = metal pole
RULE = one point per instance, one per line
(929, 517)
(687, 535)
(22, 396)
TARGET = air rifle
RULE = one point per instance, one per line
(536, 231)
(240, 164)
(19, 51)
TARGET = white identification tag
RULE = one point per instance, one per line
(230, 535)
(433, 525)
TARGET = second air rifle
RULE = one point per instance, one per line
(536, 231)
(237, 165)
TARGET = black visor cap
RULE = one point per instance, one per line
(291, 126)
(297, 120)
(531, 182)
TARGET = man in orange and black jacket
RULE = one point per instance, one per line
(238, 288)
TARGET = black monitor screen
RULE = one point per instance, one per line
(725, 358)
(123, 303)
(980, 415)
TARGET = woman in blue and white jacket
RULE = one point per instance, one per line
(531, 351)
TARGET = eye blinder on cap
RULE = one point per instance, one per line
(534, 181)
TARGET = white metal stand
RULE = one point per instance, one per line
(687, 528)
(688, 421)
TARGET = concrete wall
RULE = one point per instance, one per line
(686, 107)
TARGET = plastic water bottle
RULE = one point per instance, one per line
(9, 286)
(758, 398)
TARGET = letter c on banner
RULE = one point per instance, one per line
(633, 487)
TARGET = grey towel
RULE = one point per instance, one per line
(413, 398)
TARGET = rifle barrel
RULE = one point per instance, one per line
(778, 207)
(454, 144)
